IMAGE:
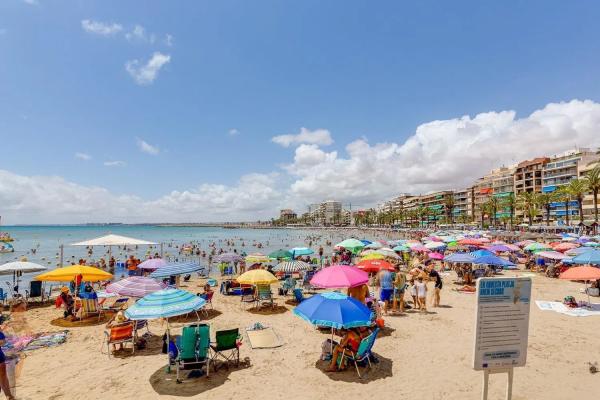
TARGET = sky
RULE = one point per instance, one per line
(197, 111)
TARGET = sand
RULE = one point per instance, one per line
(422, 356)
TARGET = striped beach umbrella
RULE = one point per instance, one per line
(176, 269)
(228, 258)
(153, 263)
(164, 304)
(135, 286)
(291, 266)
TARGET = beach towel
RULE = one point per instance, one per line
(557, 306)
(264, 338)
(466, 289)
(35, 341)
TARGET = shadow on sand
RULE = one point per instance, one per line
(165, 383)
(379, 370)
(278, 309)
(153, 347)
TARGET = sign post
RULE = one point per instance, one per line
(501, 328)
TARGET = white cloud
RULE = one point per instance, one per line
(145, 74)
(234, 132)
(101, 28)
(83, 156)
(115, 163)
(169, 40)
(319, 136)
(147, 148)
(139, 34)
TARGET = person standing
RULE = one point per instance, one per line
(421, 293)
(399, 287)
(386, 288)
(4, 382)
(435, 276)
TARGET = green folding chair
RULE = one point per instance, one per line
(192, 347)
(226, 346)
(264, 296)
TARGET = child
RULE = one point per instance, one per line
(413, 293)
(421, 293)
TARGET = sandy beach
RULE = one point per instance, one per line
(421, 356)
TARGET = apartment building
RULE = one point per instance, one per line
(588, 200)
(463, 205)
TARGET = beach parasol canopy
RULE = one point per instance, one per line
(257, 277)
(435, 245)
(470, 242)
(228, 258)
(553, 255)
(401, 248)
(67, 274)
(301, 251)
(588, 257)
(176, 269)
(577, 251)
(387, 252)
(353, 245)
(436, 256)
(372, 256)
(164, 304)
(291, 266)
(564, 246)
(113, 240)
(339, 276)
(375, 265)
(153, 263)
(581, 274)
(459, 258)
(280, 254)
(20, 266)
(135, 286)
(591, 244)
(481, 253)
(334, 310)
(535, 246)
(498, 248)
(493, 260)
(257, 258)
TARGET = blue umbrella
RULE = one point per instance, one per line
(164, 304)
(589, 257)
(335, 310)
(481, 253)
(366, 242)
(459, 258)
(176, 269)
(493, 260)
(301, 251)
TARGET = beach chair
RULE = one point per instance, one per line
(117, 305)
(3, 296)
(226, 346)
(89, 305)
(120, 334)
(288, 285)
(192, 348)
(139, 325)
(247, 299)
(363, 353)
(208, 297)
(35, 290)
(264, 296)
(298, 296)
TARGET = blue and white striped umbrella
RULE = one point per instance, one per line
(176, 269)
(164, 304)
(291, 266)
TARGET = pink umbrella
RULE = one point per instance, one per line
(564, 246)
(436, 256)
(339, 276)
(419, 248)
(135, 286)
(553, 255)
(152, 263)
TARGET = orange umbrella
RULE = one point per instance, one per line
(581, 274)
(375, 265)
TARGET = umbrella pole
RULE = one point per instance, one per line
(161, 250)
(168, 348)
(62, 255)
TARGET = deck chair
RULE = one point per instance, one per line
(35, 290)
(139, 325)
(264, 296)
(298, 296)
(117, 305)
(363, 353)
(192, 347)
(3, 296)
(89, 305)
(120, 334)
(247, 297)
(288, 285)
(208, 297)
(226, 346)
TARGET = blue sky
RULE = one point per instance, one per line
(357, 69)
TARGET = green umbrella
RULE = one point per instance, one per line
(535, 246)
(280, 254)
(353, 245)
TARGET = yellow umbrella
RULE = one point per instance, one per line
(373, 256)
(67, 274)
(257, 258)
(257, 277)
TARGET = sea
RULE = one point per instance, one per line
(42, 244)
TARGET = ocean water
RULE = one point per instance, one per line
(46, 241)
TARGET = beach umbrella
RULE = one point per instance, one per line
(419, 248)
(339, 276)
(257, 277)
(553, 255)
(334, 310)
(301, 251)
(67, 274)
(153, 263)
(135, 286)
(582, 274)
(353, 245)
(524, 243)
(372, 256)
(436, 256)
(165, 303)
(375, 265)
(576, 251)
(20, 266)
(365, 241)
(591, 244)
(227, 258)
(280, 254)
(459, 258)
(588, 257)
(257, 258)
(493, 260)
(176, 269)
(374, 245)
(291, 266)
(448, 239)
(435, 245)
(401, 248)
(564, 246)
(113, 240)
(469, 242)
(498, 248)
(481, 253)
(535, 246)
(387, 252)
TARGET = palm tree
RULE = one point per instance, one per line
(544, 201)
(449, 207)
(592, 178)
(527, 202)
(483, 209)
(578, 189)
(510, 202)
(493, 208)
(564, 195)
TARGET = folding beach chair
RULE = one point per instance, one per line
(120, 334)
(117, 305)
(35, 290)
(288, 285)
(363, 353)
(139, 325)
(89, 305)
(208, 297)
(247, 297)
(192, 347)
(298, 296)
(264, 296)
(227, 346)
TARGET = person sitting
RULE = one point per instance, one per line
(118, 319)
(206, 289)
(350, 340)
(67, 300)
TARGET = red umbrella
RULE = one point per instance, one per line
(470, 242)
(582, 274)
(564, 246)
(375, 265)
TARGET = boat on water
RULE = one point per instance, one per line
(5, 237)
(6, 247)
